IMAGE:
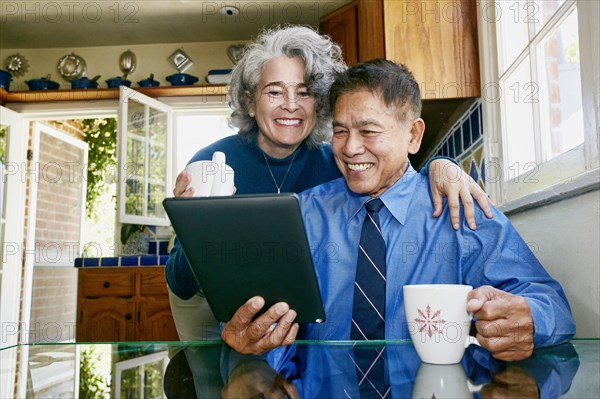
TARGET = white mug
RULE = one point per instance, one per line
(211, 178)
(438, 321)
(443, 381)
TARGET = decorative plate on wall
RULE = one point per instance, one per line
(16, 64)
(235, 52)
(71, 67)
(180, 60)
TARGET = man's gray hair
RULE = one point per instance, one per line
(322, 59)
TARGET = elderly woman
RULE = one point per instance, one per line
(279, 99)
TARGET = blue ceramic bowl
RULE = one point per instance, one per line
(84, 83)
(148, 83)
(42, 84)
(5, 78)
(114, 83)
(181, 79)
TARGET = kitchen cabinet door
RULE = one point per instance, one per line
(106, 320)
(155, 321)
(341, 26)
(437, 40)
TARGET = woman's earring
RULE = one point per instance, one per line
(251, 114)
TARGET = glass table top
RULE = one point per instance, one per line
(317, 370)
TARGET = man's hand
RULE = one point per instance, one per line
(514, 382)
(504, 323)
(448, 179)
(258, 336)
(182, 181)
(256, 379)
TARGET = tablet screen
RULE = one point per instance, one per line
(247, 245)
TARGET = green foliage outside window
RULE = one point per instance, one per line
(101, 137)
(3, 144)
(92, 384)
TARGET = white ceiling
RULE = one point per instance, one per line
(85, 23)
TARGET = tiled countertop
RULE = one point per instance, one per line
(124, 261)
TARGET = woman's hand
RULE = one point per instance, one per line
(449, 180)
(182, 181)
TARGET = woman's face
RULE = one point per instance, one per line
(284, 109)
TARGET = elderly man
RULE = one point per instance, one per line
(516, 304)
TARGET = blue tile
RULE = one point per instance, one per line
(163, 259)
(450, 145)
(130, 260)
(483, 170)
(442, 150)
(90, 262)
(466, 134)
(109, 261)
(475, 124)
(153, 247)
(456, 135)
(473, 172)
(163, 247)
(148, 260)
(78, 262)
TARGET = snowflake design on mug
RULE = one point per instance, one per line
(429, 321)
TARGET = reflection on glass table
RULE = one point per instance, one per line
(316, 370)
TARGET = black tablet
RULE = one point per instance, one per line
(247, 245)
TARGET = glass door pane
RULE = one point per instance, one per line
(57, 207)
(561, 110)
(145, 158)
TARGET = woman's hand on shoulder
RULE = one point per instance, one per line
(447, 179)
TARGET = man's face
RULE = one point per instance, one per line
(370, 144)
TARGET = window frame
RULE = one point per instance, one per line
(125, 96)
(570, 173)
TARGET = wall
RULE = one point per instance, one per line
(104, 61)
(566, 235)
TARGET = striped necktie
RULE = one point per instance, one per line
(368, 313)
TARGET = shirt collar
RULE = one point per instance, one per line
(396, 198)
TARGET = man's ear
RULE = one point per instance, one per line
(416, 135)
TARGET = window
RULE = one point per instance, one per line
(195, 129)
(539, 73)
(144, 158)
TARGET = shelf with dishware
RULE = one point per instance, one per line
(108, 94)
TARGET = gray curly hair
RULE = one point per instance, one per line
(322, 60)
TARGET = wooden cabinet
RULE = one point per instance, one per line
(436, 39)
(341, 26)
(123, 304)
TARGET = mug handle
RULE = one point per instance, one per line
(218, 185)
(471, 341)
(474, 388)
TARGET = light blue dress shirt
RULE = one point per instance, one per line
(422, 249)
